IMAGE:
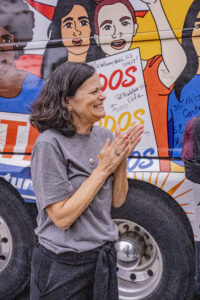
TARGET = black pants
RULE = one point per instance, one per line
(74, 276)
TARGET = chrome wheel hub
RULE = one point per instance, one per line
(139, 261)
(5, 244)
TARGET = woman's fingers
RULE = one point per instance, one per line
(120, 143)
(117, 130)
(135, 130)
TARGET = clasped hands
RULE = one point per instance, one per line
(112, 154)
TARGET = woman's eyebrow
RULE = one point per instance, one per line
(105, 22)
(197, 20)
(83, 18)
(68, 19)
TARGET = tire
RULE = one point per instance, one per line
(16, 243)
(156, 259)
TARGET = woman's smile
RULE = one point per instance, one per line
(87, 104)
(77, 42)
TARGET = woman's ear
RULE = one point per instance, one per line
(69, 107)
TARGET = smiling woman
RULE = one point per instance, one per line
(78, 172)
(75, 32)
(71, 34)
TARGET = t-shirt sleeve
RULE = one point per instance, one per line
(49, 174)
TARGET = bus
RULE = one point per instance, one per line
(147, 54)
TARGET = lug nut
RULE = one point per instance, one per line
(133, 276)
(137, 228)
(4, 240)
(126, 227)
(150, 273)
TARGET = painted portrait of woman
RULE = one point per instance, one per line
(18, 89)
(184, 101)
(71, 35)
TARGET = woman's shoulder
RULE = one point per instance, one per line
(49, 136)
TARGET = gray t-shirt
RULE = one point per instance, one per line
(59, 166)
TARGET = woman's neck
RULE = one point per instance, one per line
(77, 58)
(83, 129)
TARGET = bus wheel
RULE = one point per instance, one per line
(16, 242)
(155, 253)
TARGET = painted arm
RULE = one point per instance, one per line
(174, 58)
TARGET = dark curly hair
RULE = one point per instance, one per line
(49, 110)
(17, 19)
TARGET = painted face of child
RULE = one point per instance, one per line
(75, 30)
(116, 28)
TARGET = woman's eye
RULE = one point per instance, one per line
(125, 23)
(197, 26)
(6, 39)
(107, 27)
(94, 92)
(68, 25)
(84, 22)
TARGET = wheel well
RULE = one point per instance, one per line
(11, 189)
(29, 207)
(151, 189)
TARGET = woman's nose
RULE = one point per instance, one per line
(76, 29)
(102, 96)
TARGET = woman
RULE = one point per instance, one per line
(71, 35)
(78, 172)
(18, 89)
(184, 99)
(191, 149)
(191, 157)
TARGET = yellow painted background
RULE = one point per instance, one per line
(175, 11)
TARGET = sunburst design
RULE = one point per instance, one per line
(175, 187)
(183, 193)
(163, 181)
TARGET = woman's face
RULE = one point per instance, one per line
(196, 35)
(75, 30)
(116, 30)
(87, 104)
(6, 50)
